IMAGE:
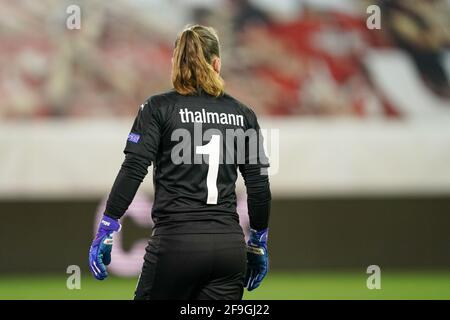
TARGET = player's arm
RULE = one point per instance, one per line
(140, 151)
(255, 174)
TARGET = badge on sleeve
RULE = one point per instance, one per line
(134, 137)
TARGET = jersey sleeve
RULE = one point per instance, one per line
(140, 150)
(255, 174)
(144, 137)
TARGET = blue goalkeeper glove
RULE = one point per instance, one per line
(100, 251)
(257, 259)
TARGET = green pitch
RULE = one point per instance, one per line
(317, 285)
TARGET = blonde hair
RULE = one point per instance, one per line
(195, 49)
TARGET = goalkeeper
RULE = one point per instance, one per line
(197, 248)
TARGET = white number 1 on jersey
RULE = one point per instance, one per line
(212, 148)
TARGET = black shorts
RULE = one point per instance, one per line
(193, 266)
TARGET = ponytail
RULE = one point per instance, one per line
(195, 49)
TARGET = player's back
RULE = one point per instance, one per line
(194, 142)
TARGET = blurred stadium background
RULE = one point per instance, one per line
(362, 168)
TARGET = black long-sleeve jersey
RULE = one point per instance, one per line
(196, 145)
